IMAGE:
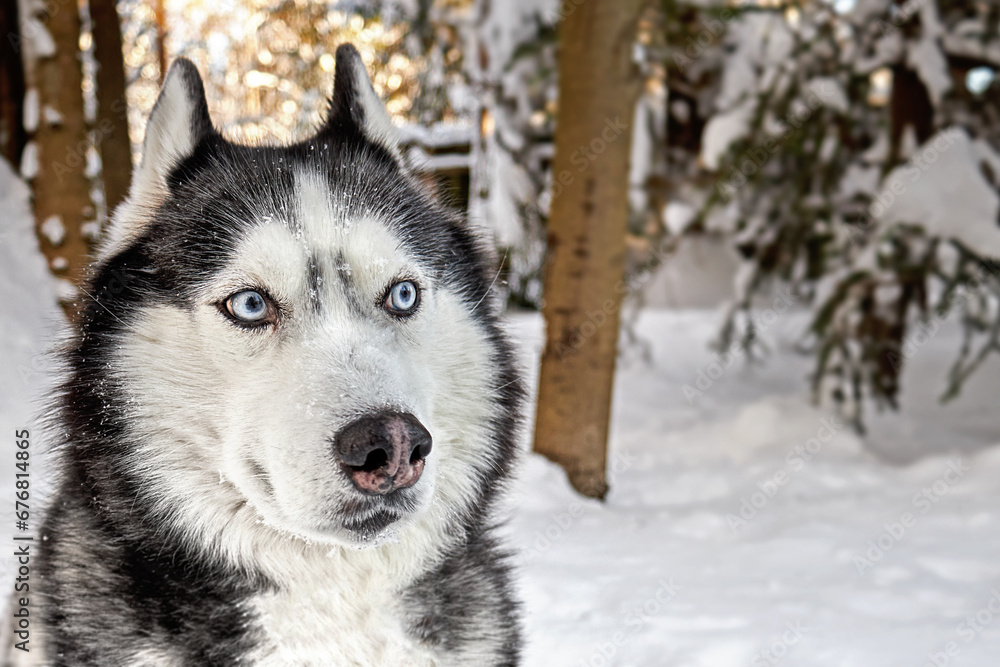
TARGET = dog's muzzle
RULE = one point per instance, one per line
(383, 452)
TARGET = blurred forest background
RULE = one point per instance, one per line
(839, 155)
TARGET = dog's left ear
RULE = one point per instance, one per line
(355, 106)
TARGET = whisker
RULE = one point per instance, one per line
(490, 288)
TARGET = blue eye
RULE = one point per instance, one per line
(403, 298)
(248, 306)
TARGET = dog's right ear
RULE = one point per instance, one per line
(178, 122)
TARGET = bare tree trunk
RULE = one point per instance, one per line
(160, 19)
(112, 119)
(60, 186)
(12, 134)
(598, 89)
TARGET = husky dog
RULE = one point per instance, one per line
(287, 414)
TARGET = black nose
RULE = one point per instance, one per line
(384, 451)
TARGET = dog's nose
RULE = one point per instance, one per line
(383, 452)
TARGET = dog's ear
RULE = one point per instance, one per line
(354, 105)
(178, 122)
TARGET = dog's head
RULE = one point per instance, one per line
(298, 338)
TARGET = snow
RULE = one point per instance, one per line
(830, 92)
(966, 39)
(677, 216)
(761, 43)
(439, 136)
(724, 129)
(506, 25)
(29, 298)
(926, 57)
(648, 110)
(29, 161)
(422, 161)
(943, 189)
(52, 117)
(38, 39)
(740, 523)
(842, 6)
(710, 257)
(31, 110)
(91, 231)
(54, 230)
(510, 184)
(858, 180)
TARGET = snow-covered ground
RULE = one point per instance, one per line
(746, 527)
(29, 323)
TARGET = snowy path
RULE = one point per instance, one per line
(740, 528)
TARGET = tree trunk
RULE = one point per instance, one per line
(909, 105)
(160, 21)
(584, 278)
(60, 186)
(112, 120)
(12, 134)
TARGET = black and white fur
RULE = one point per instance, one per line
(200, 518)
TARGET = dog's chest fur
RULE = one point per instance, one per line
(330, 624)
